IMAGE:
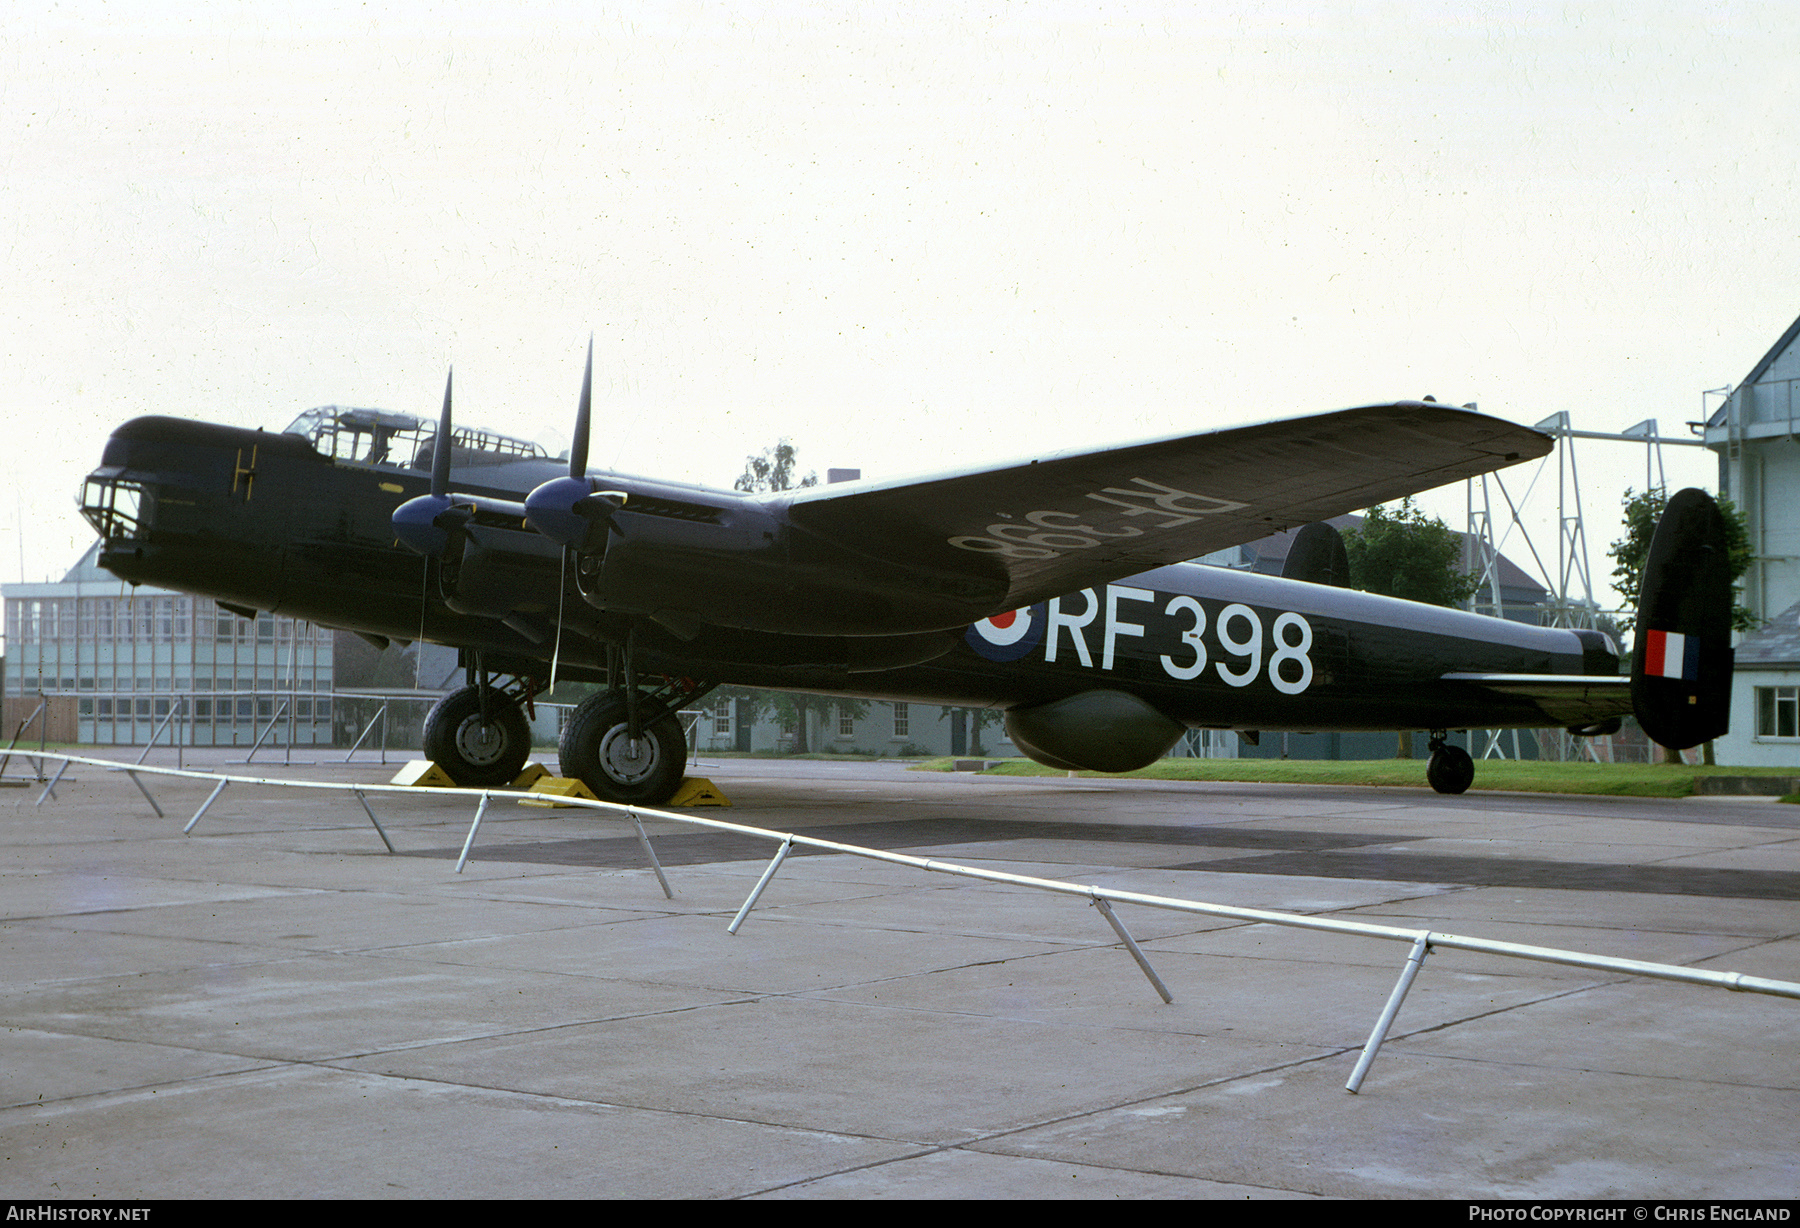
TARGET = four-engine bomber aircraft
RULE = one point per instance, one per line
(1052, 589)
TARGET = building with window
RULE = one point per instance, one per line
(882, 728)
(112, 663)
(1756, 433)
(1776, 712)
(1765, 696)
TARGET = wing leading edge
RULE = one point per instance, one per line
(1052, 526)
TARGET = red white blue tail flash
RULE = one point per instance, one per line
(1669, 654)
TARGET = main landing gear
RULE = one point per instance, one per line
(600, 749)
(625, 743)
(479, 735)
(1450, 770)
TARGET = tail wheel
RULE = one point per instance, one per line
(477, 753)
(1450, 770)
(598, 750)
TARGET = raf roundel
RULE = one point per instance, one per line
(1009, 636)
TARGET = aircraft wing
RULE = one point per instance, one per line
(1567, 699)
(1065, 521)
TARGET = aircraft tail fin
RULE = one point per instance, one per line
(1317, 556)
(1681, 663)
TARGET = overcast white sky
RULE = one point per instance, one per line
(938, 236)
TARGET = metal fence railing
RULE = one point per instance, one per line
(1420, 942)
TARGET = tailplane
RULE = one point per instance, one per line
(1681, 664)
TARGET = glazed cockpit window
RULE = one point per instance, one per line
(116, 508)
(380, 437)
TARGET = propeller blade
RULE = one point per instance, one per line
(578, 446)
(578, 457)
(424, 603)
(562, 597)
(440, 454)
(423, 524)
(566, 510)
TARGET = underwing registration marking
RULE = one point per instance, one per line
(1048, 534)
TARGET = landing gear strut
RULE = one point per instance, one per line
(479, 745)
(1450, 770)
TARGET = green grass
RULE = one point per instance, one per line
(1528, 776)
(833, 753)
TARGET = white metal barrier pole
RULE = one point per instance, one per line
(756, 891)
(1735, 981)
(157, 732)
(374, 820)
(205, 806)
(1132, 946)
(473, 828)
(146, 793)
(644, 840)
(50, 789)
(293, 686)
(1415, 959)
(380, 715)
(267, 730)
(17, 734)
(694, 717)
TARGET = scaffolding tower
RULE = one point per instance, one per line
(1570, 583)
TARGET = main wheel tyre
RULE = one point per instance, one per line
(597, 750)
(477, 754)
(1450, 769)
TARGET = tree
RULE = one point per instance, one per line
(773, 470)
(1642, 511)
(1405, 554)
(793, 708)
(747, 703)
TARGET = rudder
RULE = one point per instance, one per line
(1681, 664)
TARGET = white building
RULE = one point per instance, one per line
(1759, 470)
(111, 663)
(883, 729)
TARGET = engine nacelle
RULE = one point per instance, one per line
(1097, 731)
(496, 572)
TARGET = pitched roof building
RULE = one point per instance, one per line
(1754, 434)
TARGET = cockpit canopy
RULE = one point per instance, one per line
(381, 437)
